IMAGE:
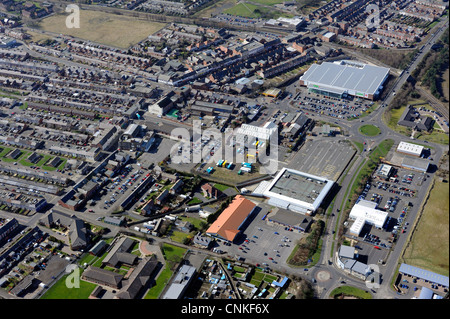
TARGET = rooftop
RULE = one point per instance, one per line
(228, 223)
(361, 78)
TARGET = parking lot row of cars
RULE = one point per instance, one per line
(331, 106)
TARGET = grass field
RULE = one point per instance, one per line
(105, 28)
(249, 10)
(230, 177)
(429, 245)
(350, 292)
(369, 130)
(243, 10)
(172, 255)
(268, 2)
(60, 291)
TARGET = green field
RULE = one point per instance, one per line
(350, 292)
(172, 255)
(249, 10)
(369, 130)
(22, 159)
(429, 245)
(243, 10)
(268, 2)
(106, 28)
(60, 291)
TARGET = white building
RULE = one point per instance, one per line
(410, 149)
(297, 191)
(366, 212)
(249, 134)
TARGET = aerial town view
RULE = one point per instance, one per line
(238, 151)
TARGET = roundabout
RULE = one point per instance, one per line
(323, 275)
(369, 130)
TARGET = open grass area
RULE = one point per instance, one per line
(243, 10)
(249, 10)
(60, 291)
(429, 246)
(194, 201)
(225, 176)
(260, 276)
(369, 130)
(349, 292)
(268, 2)
(106, 28)
(172, 255)
(221, 187)
(161, 282)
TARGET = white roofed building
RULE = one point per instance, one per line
(342, 78)
(410, 149)
(249, 134)
(366, 212)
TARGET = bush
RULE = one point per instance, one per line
(308, 246)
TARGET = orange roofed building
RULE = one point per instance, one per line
(228, 225)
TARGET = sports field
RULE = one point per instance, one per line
(429, 246)
(106, 28)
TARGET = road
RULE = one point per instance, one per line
(375, 118)
(328, 276)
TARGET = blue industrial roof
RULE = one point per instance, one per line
(424, 274)
(280, 284)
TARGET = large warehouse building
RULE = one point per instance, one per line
(297, 191)
(343, 78)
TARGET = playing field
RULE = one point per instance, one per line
(105, 28)
(429, 246)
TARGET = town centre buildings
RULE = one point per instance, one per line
(342, 78)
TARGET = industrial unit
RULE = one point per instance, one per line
(345, 78)
(297, 191)
(366, 212)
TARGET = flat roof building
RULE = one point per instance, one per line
(410, 149)
(248, 134)
(343, 78)
(366, 212)
(179, 285)
(297, 191)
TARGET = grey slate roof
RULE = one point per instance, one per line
(138, 279)
(102, 276)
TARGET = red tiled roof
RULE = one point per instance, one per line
(227, 224)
